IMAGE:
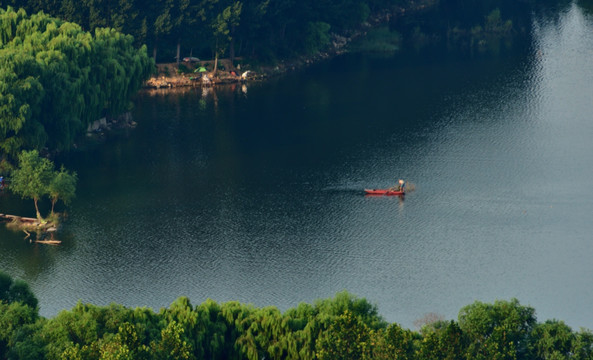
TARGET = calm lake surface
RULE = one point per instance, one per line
(257, 196)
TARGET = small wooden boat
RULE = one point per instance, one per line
(387, 192)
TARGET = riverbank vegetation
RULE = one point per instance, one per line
(264, 31)
(344, 327)
(56, 79)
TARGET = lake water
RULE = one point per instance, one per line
(256, 194)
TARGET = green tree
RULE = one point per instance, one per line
(125, 344)
(20, 94)
(441, 340)
(13, 316)
(582, 347)
(211, 330)
(551, 340)
(182, 312)
(554, 339)
(5, 283)
(360, 307)
(221, 26)
(394, 342)
(497, 331)
(31, 178)
(161, 25)
(18, 308)
(62, 187)
(172, 345)
(250, 33)
(316, 36)
(28, 342)
(55, 78)
(281, 19)
(347, 338)
(264, 334)
(181, 19)
(16, 291)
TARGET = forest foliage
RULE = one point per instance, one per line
(344, 327)
(263, 29)
(55, 79)
(271, 30)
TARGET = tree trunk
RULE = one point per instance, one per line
(232, 53)
(53, 204)
(215, 57)
(178, 52)
(108, 13)
(232, 48)
(156, 41)
(37, 209)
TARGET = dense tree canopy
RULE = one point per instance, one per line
(260, 28)
(55, 79)
(268, 30)
(344, 327)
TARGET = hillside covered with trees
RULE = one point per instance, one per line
(253, 28)
(271, 30)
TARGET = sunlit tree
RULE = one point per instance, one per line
(32, 177)
(497, 331)
(347, 338)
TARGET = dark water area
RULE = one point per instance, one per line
(255, 194)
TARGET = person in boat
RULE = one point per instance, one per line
(399, 187)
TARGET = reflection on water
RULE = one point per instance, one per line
(259, 198)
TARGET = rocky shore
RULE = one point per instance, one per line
(170, 76)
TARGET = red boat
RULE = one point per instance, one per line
(384, 192)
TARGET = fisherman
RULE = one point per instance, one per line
(400, 186)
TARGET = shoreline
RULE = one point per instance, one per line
(41, 227)
(338, 46)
